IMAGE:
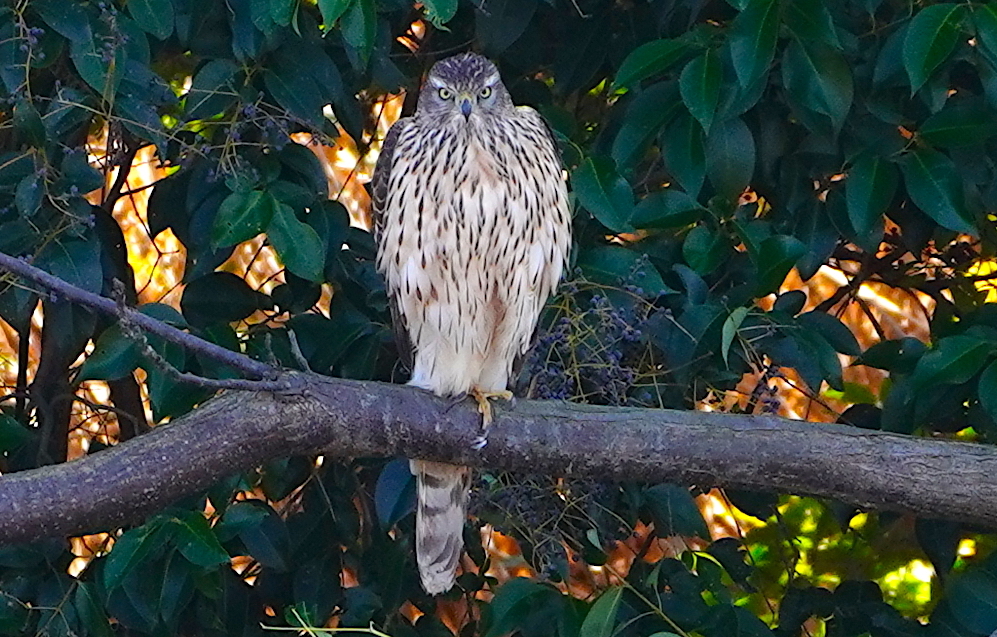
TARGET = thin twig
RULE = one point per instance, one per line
(299, 357)
(134, 333)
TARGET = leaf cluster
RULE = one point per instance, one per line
(713, 147)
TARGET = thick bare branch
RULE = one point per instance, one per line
(239, 430)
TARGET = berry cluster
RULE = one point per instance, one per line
(593, 349)
(547, 514)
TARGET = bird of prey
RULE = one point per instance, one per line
(473, 227)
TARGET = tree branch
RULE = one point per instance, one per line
(239, 430)
(235, 360)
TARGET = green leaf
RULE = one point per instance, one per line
(960, 123)
(649, 110)
(114, 356)
(817, 360)
(604, 193)
(668, 208)
(211, 91)
(985, 21)
(14, 167)
(988, 390)
(13, 61)
(972, 598)
(439, 12)
(90, 610)
(953, 361)
(304, 79)
(314, 588)
(168, 397)
(28, 122)
(197, 542)
(298, 93)
(303, 162)
(331, 11)
(129, 551)
(509, 603)
(261, 16)
(730, 157)
(600, 621)
(501, 24)
(238, 517)
(811, 20)
(869, 189)
(13, 434)
(935, 186)
(777, 256)
(939, 539)
(262, 531)
(76, 262)
(153, 16)
(69, 111)
(790, 302)
(163, 313)
(297, 244)
(930, 40)
(141, 119)
(178, 588)
(699, 85)
(729, 331)
(103, 77)
(218, 297)
(613, 265)
(648, 60)
(68, 19)
(29, 194)
(77, 171)
(817, 232)
(704, 250)
(683, 147)
(674, 511)
(242, 216)
(832, 329)
(752, 232)
(282, 11)
(899, 357)
(246, 39)
(358, 26)
(394, 494)
(819, 79)
(752, 40)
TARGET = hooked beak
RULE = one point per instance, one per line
(465, 105)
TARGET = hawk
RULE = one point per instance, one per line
(473, 228)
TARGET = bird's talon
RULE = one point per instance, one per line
(484, 399)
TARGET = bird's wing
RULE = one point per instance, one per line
(380, 192)
(564, 245)
(533, 113)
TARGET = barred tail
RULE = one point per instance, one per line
(439, 522)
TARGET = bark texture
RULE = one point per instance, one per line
(239, 429)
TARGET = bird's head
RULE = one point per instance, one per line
(466, 84)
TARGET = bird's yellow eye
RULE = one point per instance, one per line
(486, 92)
(445, 93)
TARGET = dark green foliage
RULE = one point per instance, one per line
(843, 118)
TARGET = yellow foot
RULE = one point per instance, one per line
(482, 397)
(484, 407)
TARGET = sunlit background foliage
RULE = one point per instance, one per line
(783, 206)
